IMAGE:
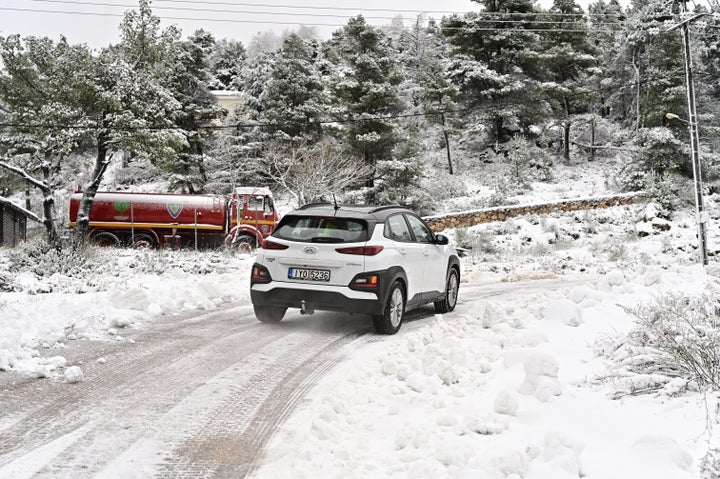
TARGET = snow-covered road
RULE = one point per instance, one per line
(197, 396)
(180, 380)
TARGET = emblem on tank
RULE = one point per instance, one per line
(174, 209)
(122, 207)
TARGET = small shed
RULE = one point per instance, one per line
(14, 222)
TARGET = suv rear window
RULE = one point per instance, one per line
(319, 229)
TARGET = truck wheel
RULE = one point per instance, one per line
(447, 304)
(106, 239)
(244, 243)
(389, 322)
(143, 240)
(269, 314)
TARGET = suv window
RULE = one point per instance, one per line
(322, 229)
(420, 230)
(397, 229)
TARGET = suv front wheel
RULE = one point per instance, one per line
(389, 322)
(447, 304)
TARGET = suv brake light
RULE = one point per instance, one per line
(260, 274)
(361, 250)
(267, 244)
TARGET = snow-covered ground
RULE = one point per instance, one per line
(528, 382)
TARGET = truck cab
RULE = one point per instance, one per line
(252, 217)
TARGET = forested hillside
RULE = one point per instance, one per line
(381, 108)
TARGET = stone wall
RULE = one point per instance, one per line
(501, 213)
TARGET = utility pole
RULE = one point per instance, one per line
(701, 214)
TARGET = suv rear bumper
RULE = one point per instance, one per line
(336, 299)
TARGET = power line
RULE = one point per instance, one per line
(212, 10)
(471, 27)
(499, 20)
(273, 22)
(303, 7)
(323, 8)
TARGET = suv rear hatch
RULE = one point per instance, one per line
(323, 250)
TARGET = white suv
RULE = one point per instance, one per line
(374, 260)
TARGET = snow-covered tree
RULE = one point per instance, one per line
(226, 61)
(495, 63)
(45, 88)
(364, 88)
(566, 60)
(128, 105)
(295, 97)
(188, 80)
(237, 148)
(610, 80)
(438, 95)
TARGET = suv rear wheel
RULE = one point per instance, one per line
(447, 304)
(389, 322)
(269, 314)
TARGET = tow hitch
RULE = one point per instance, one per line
(306, 308)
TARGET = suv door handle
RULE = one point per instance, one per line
(401, 251)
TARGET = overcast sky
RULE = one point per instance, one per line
(95, 22)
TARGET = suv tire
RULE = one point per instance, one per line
(452, 285)
(269, 314)
(389, 322)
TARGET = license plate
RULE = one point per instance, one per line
(309, 274)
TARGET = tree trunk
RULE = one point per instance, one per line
(592, 138)
(101, 163)
(49, 207)
(566, 130)
(566, 140)
(637, 92)
(447, 144)
(498, 128)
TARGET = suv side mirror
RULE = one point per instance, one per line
(441, 240)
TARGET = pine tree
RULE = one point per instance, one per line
(495, 63)
(424, 54)
(226, 61)
(566, 59)
(364, 88)
(188, 80)
(295, 97)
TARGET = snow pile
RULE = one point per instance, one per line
(509, 388)
(121, 289)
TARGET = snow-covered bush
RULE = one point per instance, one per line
(478, 241)
(681, 335)
(710, 464)
(40, 258)
(443, 186)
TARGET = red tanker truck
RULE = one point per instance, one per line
(242, 219)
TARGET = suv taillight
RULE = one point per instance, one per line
(260, 274)
(361, 250)
(267, 244)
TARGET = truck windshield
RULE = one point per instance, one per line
(322, 230)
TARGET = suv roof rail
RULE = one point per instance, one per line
(314, 205)
(386, 207)
(367, 208)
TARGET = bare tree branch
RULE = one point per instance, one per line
(23, 174)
